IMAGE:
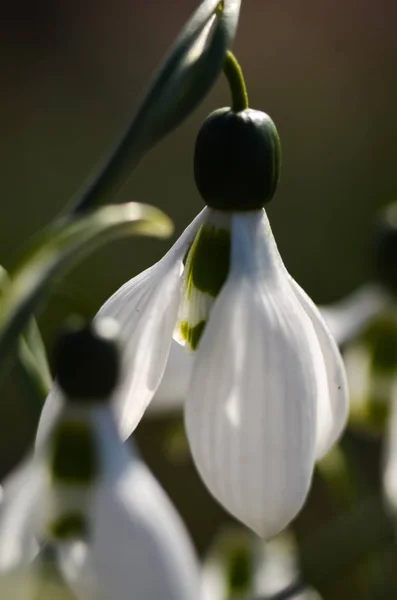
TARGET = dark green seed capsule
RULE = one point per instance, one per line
(237, 160)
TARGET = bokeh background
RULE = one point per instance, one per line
(71, 74)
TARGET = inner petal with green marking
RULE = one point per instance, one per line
(206, 270)
(74, 457)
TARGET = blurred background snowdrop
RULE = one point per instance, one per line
(84, 492)
(240, 566)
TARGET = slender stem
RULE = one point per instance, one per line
(235, 78)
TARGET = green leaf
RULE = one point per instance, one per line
(36, 349)
(35, 383)
(62, 244)
(190, 69)
(186, 75)
(31, 359)
(32, 366)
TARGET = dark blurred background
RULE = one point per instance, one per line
(72, 72)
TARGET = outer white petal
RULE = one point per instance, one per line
(251, 411)
(333, 407)
(19, 516)
(333, 404)
(146, 308)
(19, 520)
(138, 547)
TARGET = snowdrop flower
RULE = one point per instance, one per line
(267, 395)
(87, 493)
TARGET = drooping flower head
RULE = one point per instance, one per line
(267, 394)
(88, 494)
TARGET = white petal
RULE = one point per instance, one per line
(333, 407)
(146, 308)
(19, 516)
(251, 411)
(171, 394)
(21, 522)
(138, 549)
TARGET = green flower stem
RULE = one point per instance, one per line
(235, 78)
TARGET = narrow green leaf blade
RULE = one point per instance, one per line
(36, 349)
(190, 69)
(36, 380)
(63, 244)
(184, 78)
(31, 357)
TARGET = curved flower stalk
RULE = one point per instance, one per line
(89, 495)
(267, 395)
